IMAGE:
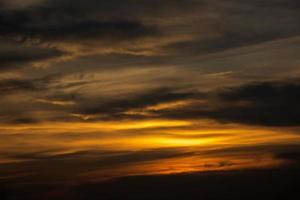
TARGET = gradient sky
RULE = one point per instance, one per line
(97, 89)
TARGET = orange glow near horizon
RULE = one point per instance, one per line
(208, 141)
(156, 133)
(103, 125)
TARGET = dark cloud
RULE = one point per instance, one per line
(263, 103)
(248, 185)
(292, 156)
(115, 108)
(40, 25)
(239, 23)
(266, 103)
(230, 40)
(103, 158)
(119, 8)
(75, 31)
(11, 85)
(56, 21)
(265, 184)
(78, 163)
(18, 59)
(245, 23)
(235, 23)
(22, 97)
(23, 120)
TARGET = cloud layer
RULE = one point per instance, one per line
(100, 89)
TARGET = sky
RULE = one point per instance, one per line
(93, 90)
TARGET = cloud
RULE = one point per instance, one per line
(246, 184)
(164, 73)
(243, 23)
(62, 35)
(32, 100)
(271, 103)
(116, 108)
(265, 103)
(145, 27)
(260, 103)
(12, 85)
(292, 156)
(36, 164)
(225, 41)
(23, 28)
(53, 30)
(52, 22)
(11, 60)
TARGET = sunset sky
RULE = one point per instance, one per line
(93, 90)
